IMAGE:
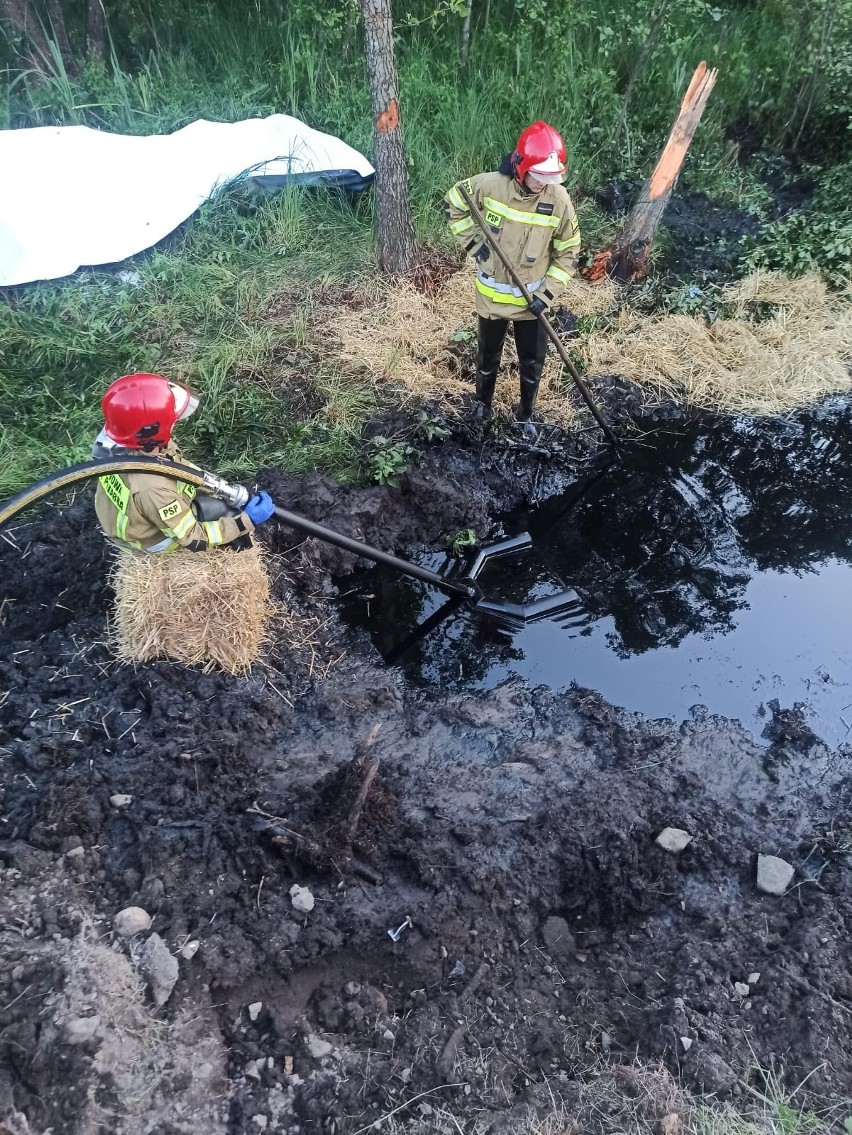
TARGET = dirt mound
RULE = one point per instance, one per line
(549, 935)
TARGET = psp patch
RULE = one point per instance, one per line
(493, 219)
(170, 510)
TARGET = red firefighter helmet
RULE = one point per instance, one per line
(141, 409)
(541, 152)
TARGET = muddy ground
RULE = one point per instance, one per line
(558, 962)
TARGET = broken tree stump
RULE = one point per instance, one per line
(626, 258)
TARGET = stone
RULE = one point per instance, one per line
(753, 978)
(75, 853)
(713, 1074)
(132, 920)
(388, 1035)
(120, 800)
(260, 1121)
(673, 840)
(159, 967)
(318, 1047)
(686, 1041)
(774, 875)
(302, 899)
(254, 1010)
(251, 1070)
(189, 949)
(203, 1071)
(557, 937)
(671, 1124)
(742, 988)
(352, 988)
(81, 1029)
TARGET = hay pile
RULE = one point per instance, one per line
(787, 343)
(206, 609)
(398, 335)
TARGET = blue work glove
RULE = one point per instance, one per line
(538, 306)
(482, 253)
(259, 508)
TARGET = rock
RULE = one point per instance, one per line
(388, 1035)
(75, 853)
(774, 875)
(405, 1075)
(120, 800)
(203, 1071)
(254, 1009)
(352, 988)
(260, 1121)
(318, 1047)
(81, 1029)
(190, 949)
(671, 1124)
(557, 937)
(132, 920)
(753, 978)
(686, 1041)
(742, 988)
(159, 967)
(301, 898)
(673, 840)
(712, 1074)
(251, 1070)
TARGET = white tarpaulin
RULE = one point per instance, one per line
(71, 196)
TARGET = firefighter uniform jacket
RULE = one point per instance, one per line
(153, 513)
(537, 231)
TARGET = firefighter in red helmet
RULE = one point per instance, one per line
(153, 512)
(531, 215)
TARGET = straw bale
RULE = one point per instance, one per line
(208, 609)
(401, 337)
(787, 343)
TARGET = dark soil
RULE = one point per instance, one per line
(552, 942)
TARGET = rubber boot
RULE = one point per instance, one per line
(491, 334)
(531, 343)
(529, 391)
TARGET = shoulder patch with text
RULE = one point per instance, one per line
(169, 510)
(546, 208)
(493, 219)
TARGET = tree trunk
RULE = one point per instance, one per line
(35, 49)
(96, 39)
(465, 33)
(626, 258)
(395, 228)
(60, 36)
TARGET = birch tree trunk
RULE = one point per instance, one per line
(395, 228)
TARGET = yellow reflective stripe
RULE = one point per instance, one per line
(557, 274)
(462, 226)
(561, 245)
(121, 526)
(215, 535)
(183, 527)
(516, 214)
(500, 297)
(456, 199)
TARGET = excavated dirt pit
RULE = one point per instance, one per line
(552, 947)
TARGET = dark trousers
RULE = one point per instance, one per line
(531, 345)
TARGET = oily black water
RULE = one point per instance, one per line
(714, 568)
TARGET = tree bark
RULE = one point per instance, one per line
(397, 248)
(626, 258)
(465, 33)
(96, 39)
(35, 49)
(60, 36)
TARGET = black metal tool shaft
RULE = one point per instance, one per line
(455, 587)
(542, 318)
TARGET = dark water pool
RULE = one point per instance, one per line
(714, 567)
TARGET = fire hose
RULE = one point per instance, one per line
(464, 587)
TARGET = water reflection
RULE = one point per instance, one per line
(703, 531)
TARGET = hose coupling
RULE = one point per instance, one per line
(235, 495)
